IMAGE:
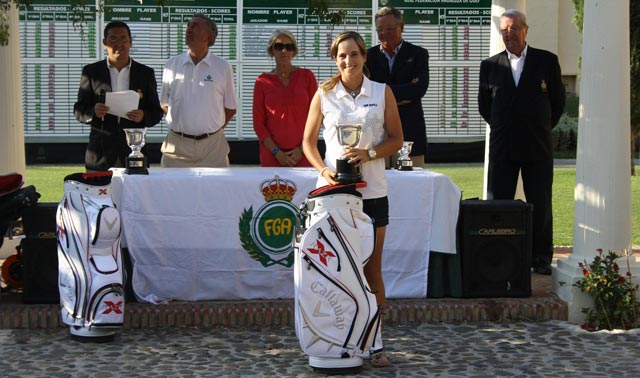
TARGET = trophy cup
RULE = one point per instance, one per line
(136, 161)
(348, 136)
(404, 162)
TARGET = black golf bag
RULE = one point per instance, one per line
(14, 200)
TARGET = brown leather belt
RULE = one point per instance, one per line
(194, 137)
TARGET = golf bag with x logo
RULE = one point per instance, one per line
(337, 317)
(91, 274)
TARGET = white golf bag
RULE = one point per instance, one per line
(91, 274)
(337, 317)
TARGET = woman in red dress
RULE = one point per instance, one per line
(281, 101)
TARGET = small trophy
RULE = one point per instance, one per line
(404, 162)
(136, 161)
(348, 136)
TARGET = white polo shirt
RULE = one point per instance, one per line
(197, 94)
(367, 108)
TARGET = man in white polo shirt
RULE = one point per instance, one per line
(198, 98)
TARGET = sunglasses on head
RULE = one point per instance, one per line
(280, 46)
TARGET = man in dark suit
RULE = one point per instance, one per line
(405, 68)
(521, 96)
(107, 143)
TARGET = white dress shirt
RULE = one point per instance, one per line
(517, 64)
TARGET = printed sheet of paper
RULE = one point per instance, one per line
(120, 103)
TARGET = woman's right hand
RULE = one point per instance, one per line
(285, 159)
(329, 175)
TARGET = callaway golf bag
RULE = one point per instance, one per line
(337, 317)
(91, 274)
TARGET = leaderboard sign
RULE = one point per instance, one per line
(53, 52)
(314, 33)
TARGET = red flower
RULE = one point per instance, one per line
(621, 280)
(580, 265)
(585, 272)
(616, 268)
(628, 274)
(599, 250)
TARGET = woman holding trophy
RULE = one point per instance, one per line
(350, 98)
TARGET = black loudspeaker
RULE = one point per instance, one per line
(40, 254)
(495, 248)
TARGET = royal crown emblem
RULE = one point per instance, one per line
(267, 235)
(278, 189)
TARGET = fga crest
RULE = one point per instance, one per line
(268, 234)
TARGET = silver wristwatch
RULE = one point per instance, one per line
(372, 153)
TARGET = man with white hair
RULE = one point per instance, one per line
(521, 96)
(198, 98)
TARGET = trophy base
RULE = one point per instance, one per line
(347, 173)
(405, 165)
(136, 166)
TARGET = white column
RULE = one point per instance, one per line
(498, 7)
(11, 122)
(602, 215)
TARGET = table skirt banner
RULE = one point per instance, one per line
(225, 233)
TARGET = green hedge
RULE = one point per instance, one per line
(564, 136)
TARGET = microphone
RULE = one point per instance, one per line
(103, 99)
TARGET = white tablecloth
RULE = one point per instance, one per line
(183, 231)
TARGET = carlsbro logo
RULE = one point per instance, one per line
(497, 231)
(267, 235)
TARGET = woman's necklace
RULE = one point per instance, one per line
(355, 92)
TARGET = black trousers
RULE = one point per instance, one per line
(537, 181)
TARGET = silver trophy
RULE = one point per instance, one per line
(136, 162)
(404, 162)
(348, 136)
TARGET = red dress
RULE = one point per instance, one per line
(280, 112)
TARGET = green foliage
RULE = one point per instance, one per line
(5, 8)
(321, 8)
(564, 136)
(615, 305)
(578, 13)
(572, 105)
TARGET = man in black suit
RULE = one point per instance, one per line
(405, 68)
(107, 142)
(521, 96)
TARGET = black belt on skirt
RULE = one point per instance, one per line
(194, 137)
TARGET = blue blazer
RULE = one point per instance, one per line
(409, 80)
